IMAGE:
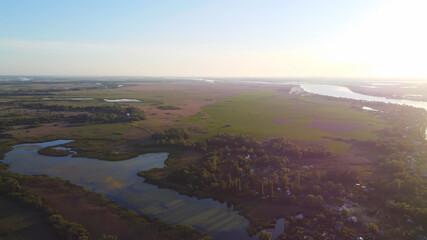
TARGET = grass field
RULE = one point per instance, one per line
(121, 140)
(207, 110)
(266, 114)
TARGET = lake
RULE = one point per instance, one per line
(118, 181)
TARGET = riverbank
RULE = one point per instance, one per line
(79, 205)
(119, 182)
(261, 214)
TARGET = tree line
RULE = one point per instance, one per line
(95, 114)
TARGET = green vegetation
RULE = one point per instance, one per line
(51, 151)
(235, 165)
(336, 162)
(265, 114)
(15, 187)
(20, 222)
(68, 230)
(173, 136)
(100, 114)
(168, 107)
(11, 188)
(247, 173)
(95, 115)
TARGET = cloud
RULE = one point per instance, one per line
(113, 183)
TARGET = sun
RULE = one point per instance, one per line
(391, 41)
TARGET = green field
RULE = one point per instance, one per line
(258, 113)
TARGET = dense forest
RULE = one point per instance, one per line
(344, 204)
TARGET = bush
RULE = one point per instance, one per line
(8, 185)
(68, 230)
(264, 235)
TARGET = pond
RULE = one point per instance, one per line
(121, 100)
(118, 181)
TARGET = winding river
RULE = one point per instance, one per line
(344, 92)
(118, 181)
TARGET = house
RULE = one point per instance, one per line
(336, 208)
(299, 216)
(352, 219)
(346, 205)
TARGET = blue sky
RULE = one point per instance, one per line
(202, 38)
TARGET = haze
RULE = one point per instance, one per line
(357, 39)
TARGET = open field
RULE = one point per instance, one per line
(266, 114)
(204, 108)
(189, 97)
(207, 109)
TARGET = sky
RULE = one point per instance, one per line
(222, 38)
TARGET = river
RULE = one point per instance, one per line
(344, 92)
(118, 181)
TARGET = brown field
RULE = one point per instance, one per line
(19, 222)
(282, 120)
(97, 219)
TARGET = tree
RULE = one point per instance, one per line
(264, 235)
(8, 184)
(373, 228)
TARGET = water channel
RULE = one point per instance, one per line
(118, 181)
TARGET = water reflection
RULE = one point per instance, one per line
(118, 181)
(344, 92)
